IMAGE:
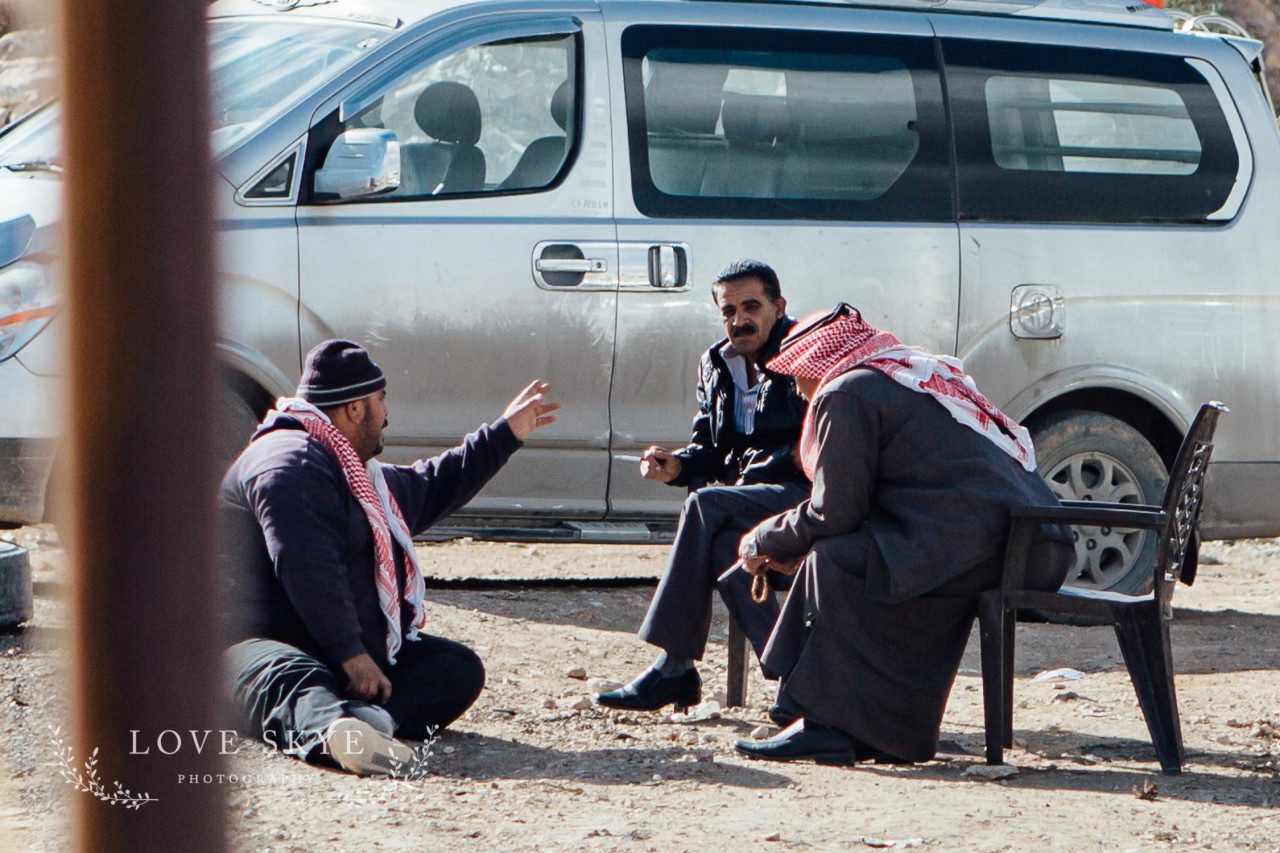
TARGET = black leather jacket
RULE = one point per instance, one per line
(718, 452)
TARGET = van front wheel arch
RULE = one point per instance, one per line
(1089, 456)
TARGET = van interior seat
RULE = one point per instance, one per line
(846, 151)
(750, 165)
(682, 109)
(539, 162)
(450, 114)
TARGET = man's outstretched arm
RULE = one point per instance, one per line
(430, 489)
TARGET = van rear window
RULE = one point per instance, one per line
(1081, 126)
(785, 125)
(1069, 134)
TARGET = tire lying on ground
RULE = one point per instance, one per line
(1096, 457)
(15, 586)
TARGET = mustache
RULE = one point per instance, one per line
(748, 329)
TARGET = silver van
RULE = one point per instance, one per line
(1075, 196)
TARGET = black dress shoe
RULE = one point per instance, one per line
(803, 740)
(652, 691)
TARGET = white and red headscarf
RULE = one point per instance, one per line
(826, 346)
(369, 485)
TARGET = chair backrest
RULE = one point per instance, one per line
(1183, 498)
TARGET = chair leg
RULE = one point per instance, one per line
(739, 672)
(1008, 621)
(1144, 642)
(991, 628)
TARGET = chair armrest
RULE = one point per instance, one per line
(1094, 504)
(1094, 514)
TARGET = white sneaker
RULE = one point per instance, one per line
(362, 749)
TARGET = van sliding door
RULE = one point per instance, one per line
(813, 140)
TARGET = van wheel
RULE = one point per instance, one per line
(236, 419)
(1087, 456)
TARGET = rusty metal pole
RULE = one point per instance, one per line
(140, 310)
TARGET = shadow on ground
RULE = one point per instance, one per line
(1081, 770)
(489, 758)
(1204, 641)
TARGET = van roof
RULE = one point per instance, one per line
(1132, 13)
(396, 13)
(386, 13)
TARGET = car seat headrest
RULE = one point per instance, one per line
(449, 112)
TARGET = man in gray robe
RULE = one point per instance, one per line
(914, 475)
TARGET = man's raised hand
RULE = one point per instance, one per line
(659, 464)
(530, 410)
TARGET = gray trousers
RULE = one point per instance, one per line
(286, 697)
(712, 523)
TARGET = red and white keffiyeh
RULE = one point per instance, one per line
(835, 348)
(369, 485)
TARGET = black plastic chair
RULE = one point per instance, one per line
(1141, 622)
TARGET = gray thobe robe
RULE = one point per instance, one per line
(905, 526)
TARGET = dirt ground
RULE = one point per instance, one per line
(526, 768)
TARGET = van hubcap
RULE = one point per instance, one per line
(1104, 555)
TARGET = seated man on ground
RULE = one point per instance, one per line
(914, 476)
(326, 595)
(745, 433)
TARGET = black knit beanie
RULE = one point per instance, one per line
(338, 372)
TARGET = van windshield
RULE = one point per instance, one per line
(257, 68)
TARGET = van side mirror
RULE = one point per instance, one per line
(362, 162)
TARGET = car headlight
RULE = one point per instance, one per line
(26, 305)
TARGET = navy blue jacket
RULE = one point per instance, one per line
(296, 547)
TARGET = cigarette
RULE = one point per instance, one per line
(625, 457)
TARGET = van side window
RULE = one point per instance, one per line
(1069, 134)
(498, 117)
(785, 125)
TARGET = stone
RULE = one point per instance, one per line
(583, 704)
(709, 710)
(604, 685)
(991, 773)
(576, 672)
(1064, 674)
(761, 732)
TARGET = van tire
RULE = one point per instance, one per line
(236, 419)
(1091, 456)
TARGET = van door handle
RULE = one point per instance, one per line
(567, 264)
(653, 266)
(667, 266)
(582, 265)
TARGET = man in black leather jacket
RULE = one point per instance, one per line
(744, 437)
